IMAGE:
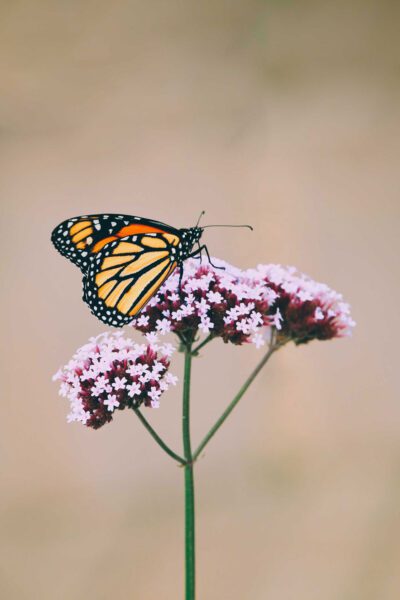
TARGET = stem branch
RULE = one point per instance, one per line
(272, 348)
(157, 438)
(202, 344)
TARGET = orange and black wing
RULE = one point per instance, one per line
(124, 275)
(79, 238)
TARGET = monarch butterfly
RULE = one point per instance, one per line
(124, 259)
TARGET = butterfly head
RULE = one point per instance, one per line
(195, 234)
(190, 237)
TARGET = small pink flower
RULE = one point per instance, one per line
(111, 402)
(171, 379)
(134, 389)
(154, 394)
(119, 383)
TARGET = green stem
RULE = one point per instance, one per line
(236, 399)
(189, 481)
(157, 438)
(202, 344)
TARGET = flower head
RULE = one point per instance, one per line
(304, 309)
(238, 306)
(111, 373)
(221, 302)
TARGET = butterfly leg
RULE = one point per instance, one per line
(180, 281)
(210, 261)
(199, 251)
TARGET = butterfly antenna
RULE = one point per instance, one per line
(247, 226)
(203, 212)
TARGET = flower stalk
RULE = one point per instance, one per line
(189, 481)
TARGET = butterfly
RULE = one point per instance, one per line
(124, 259)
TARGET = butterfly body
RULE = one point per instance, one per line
(124, 260)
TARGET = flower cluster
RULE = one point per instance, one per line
(218, 301)
(242, 306)
(307, 309)
(112, 372)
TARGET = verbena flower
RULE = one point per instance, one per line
(304, 309)
(111, 373)
(221, 303)
(242, 306)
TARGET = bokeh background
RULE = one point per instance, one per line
(279, 113)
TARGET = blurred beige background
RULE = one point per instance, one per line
(279, 113)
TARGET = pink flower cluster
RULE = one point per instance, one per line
(238, 305)
(307, 310)
(112, 372)
(218, 302)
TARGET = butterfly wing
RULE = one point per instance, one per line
(79, 238)
(126, 273)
